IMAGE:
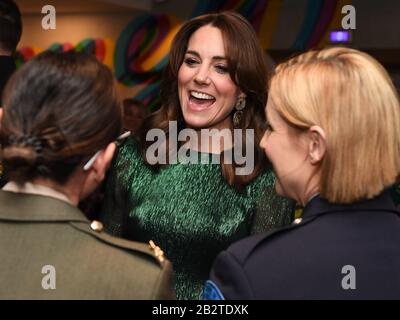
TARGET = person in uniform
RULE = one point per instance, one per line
(60, 118)
(333, 138)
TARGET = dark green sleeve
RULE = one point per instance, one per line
(272, 211)
(121, 175)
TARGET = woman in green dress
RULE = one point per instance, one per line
(215, 83)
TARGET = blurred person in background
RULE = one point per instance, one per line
(134, 113)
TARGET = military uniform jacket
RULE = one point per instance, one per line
(333, 252)
(49, 250)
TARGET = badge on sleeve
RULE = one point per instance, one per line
(212, 292)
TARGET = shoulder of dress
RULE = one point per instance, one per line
(265, 178)
(128, 155)
(96, 230)
(129, 143)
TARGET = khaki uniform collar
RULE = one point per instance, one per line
(37, 207)
(31, 188)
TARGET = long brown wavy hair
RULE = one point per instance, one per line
(247, 69)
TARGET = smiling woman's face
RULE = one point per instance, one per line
(206, 91)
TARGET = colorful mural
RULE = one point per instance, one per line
(103, 49)
(142, 53)
(142, 48)
(319, 18)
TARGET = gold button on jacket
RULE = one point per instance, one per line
(39, 231)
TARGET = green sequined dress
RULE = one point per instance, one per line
(188, 210)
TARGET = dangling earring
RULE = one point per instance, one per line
(237, 116)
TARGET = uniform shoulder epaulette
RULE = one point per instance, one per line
(95, 229)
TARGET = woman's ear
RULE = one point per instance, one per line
(97, 172)
(103, 161)
(317, 144)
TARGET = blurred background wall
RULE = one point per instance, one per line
(118, 31)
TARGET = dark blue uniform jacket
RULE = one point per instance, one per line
(332, 252)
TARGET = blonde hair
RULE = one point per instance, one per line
(352, 98)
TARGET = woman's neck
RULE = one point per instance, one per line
(215, 139)
(67, 190)
(37, 188)
(311, 189)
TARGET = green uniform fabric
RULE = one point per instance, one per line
(37, 231)
(189, 210)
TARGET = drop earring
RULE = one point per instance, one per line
(237, 116)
